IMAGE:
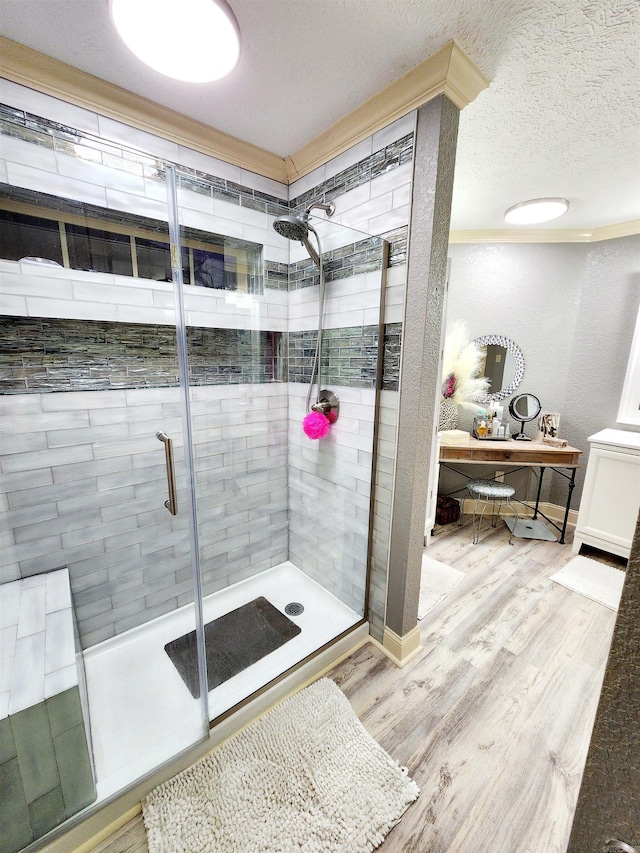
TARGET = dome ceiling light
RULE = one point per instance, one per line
(536, 210)
(192, 40)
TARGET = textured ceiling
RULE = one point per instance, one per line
(561, 116)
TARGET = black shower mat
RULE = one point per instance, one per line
(233, 642)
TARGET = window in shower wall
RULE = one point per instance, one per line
(83, 236)
(153, 258)
(98, 250)
(23, 236)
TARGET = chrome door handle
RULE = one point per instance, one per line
(172, 503)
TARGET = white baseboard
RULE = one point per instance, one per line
(399, 649)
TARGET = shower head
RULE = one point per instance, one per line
(295, 228)
(291, 227)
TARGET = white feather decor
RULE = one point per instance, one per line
(461, 363)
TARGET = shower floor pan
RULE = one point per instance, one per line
(141, 711)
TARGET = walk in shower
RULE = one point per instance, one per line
(158, 339)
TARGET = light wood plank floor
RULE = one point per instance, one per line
(493, 717)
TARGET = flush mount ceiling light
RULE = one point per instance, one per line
(192, 40)
(536, 210)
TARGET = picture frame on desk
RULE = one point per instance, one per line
(548, 425)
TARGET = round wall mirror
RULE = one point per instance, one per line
(503, 366)
(524, 408)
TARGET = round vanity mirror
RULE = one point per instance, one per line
(524, 408)
(503, 366)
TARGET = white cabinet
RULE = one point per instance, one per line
(611, 495)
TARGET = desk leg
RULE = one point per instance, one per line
(535, 512)
(572, 483)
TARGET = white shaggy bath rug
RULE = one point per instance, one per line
(436, 582)
(595, 580)
(306, 777)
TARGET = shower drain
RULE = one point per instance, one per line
(294, 609)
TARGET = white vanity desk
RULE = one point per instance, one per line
(611, 495)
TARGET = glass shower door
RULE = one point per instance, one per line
(97, 572)
(282, 522)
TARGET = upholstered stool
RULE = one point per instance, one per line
(485, 491)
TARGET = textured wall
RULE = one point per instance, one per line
(435, 147)
(608, 803)
(605, 321)
(571, 309)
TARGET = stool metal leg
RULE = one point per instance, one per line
(475, 524)
(516, 517)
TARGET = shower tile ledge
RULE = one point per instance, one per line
(38, 654)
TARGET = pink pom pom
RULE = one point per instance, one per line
(316, 425)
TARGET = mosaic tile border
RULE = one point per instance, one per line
(349, 356)
(276, 275)
(41, 131)
(398, 240)
(42, 355)
(352, 259)
(49, 355)
(391, 359)
(77, 143)
(379, 163)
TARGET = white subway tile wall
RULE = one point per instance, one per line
(93, 498)
(329, 490)
(87, 495)
(35, 102)
(82, 295)
(346, 301)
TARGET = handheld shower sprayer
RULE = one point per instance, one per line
(297, 228)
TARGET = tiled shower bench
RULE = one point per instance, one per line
(45, 765)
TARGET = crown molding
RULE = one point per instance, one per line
(448, 72)
(23, 65)
(548, 235)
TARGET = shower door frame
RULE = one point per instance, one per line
(227, 714)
